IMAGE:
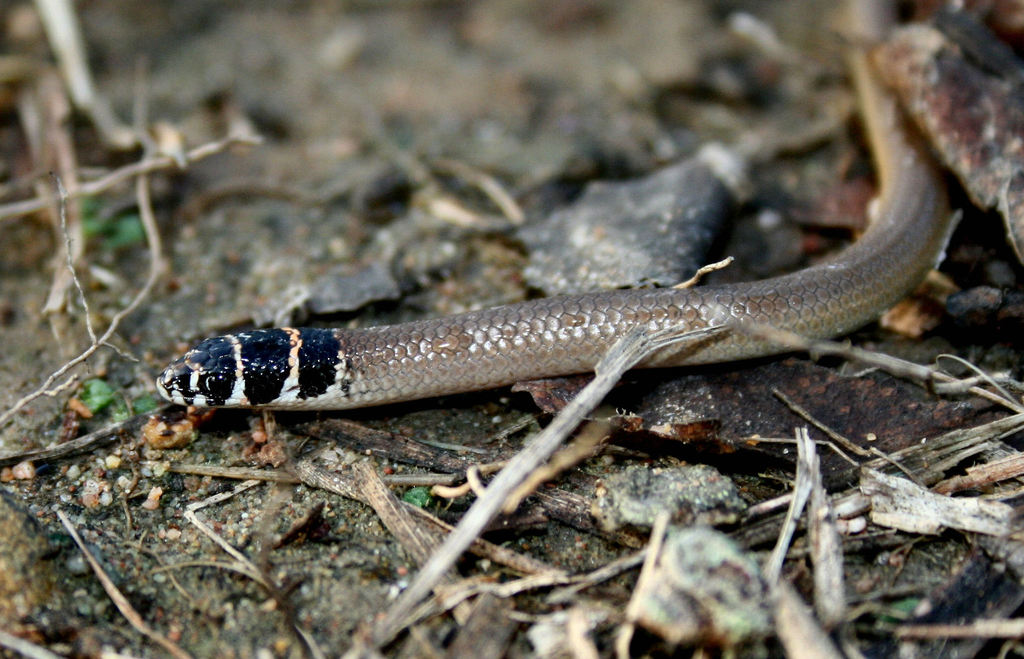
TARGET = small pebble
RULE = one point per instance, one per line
(25, 470)
(152, 501)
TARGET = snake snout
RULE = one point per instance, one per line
(175, 382)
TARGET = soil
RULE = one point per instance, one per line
(375, 118)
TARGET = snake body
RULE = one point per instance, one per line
(308, 368)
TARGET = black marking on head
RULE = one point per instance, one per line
(318, 357)
(217, 377)
(264, 363)
(346, 387)
(217, 387)
(215, 363)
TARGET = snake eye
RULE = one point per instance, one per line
(175, 384)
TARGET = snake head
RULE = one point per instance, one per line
(205, 376)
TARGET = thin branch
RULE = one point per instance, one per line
(63, 194)
(934, 379)
(487, 184)
(604, 573)
(624, 635)
(981, 375)
(25, 647)
(837, 437)
(82, 444)
(980, 628)
(65, 37)
(705, 270)
(801, 494)
(146, 165)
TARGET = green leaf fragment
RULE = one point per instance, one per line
(143, 404)
(96, 394)
(115, 232)
(119, 411)
(418, 496)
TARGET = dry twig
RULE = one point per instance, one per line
(825, 543)
(1005, 628)
(800, 633)
(25, 647)
(932, 378)
(66, 40)
(625, 633)
(801, 493)
(705, 270)
(840, 439)
(80, 444)
(487, 184)
(588, 443)
(147, 165)
(347, 486)
(900, 504)
(1010, 466)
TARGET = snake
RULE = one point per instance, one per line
(310, 368)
